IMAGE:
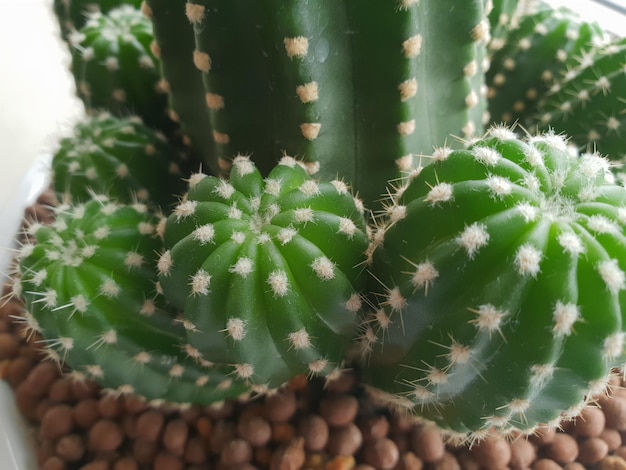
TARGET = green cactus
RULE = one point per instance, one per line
(115, 69)
(501, 272)
(119, 157)
(89, 285)
(543, 47)
(72, 14)
(589, 102)
(364, 80)
(267, 271)
(175, 43)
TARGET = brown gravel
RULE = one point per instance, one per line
(307, 424)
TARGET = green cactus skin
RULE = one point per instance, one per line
(376, 83)
(119, 157)
(115, 69)
(589, 102)
(174, 44)
(503, 273)
(543, 47)
(89, 288)
(267, 271)
(72, 14)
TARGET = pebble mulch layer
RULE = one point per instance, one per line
(306, 425)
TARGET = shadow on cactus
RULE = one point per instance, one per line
(501, 280)
(89, 286)
(267, 271)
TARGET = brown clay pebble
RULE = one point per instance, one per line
(447, 462)
(613, 462)
(409, 461)
(573, 466)
(339, 410)
(96, 465)
(105, 436)
(166, 461)
(543, 436)
(342, 384)
(196, 450)
(18, 370)
(57, 422)
(341, 462)
(60, 391)
(86, 413)
(612, 437)
(590, 422)
(149, 425)
(53, 463)
(125, 463)
(280, 406)
(563, 448)
(289, 456)
(9, 346)
(70, 448)
(373, 427)
(492, 453)
(522, 453)
(255, 430)
(427, 443)
(314, 430)
(614, 409)
(545, 464)
(84, 389)
(345, 440)
(41, 378)
(26, 403)
(175, 436)
(109, 406)
(236, 452)
(144, 451)
(134, 404)
(382, 454)
(592, 450)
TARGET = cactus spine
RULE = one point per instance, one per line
(267, 271)
(89, 288)
(502, 269)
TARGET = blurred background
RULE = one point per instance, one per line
(37, 103)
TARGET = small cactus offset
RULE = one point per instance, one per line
(72, 14)
(89, 286)
(543, 48)
(589, 102)
(501, 272)
(119, 157)
(115, 69)
(267, 271)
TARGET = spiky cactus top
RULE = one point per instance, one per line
(89, 285)
(502, 277)
(115, 68)
(119, 157)
(267, 271)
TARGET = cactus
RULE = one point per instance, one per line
(501, 278)
(89, 289)
(543, 47)
(119, 157)
(589, 103)
(115, 69)
(267, 271)
(363, 80)
(72, 14)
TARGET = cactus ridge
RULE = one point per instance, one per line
(586, 103)
(89, 288)
(115, 68)
(505, 309)
(120, 157)
(266, 271)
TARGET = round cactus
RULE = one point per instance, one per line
(501, 272)
(119, 157)
(115, 68)
(89, 288)
(266, 270)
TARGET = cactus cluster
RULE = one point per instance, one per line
(349, 210)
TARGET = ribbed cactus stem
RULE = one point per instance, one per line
(363, 80)
(89, 289)
(501, 274)
(267, 271)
